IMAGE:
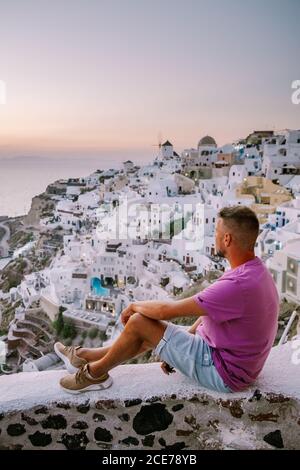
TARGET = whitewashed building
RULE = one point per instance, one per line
(285, 269)
(281, 156)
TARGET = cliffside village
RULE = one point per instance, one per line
(146, 233)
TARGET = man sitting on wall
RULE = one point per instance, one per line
(224, 350)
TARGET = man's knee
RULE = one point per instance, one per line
(147, 329)
(136, 320)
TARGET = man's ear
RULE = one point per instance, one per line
(227, 239)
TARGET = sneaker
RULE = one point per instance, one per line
(68, 355)
(83, 382)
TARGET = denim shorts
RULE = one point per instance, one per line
(191, 355)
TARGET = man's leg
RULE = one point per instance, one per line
(94, 354)
(138, 330)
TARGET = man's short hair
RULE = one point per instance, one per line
(243, 223)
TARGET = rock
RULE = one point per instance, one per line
(64, 406)
(274, 439)
(234, 407)
(80, 425)
(152, 418)
(264, 417)
(98, 417)
(130, 441)
(105, 405)
(132, 402)
(153, 399)
(84, 408)
(75, 441)
(176, 446)
(15, 429)
(184, 432)
(124, 417)
(54, 422)
(42, 410)
(29, 420)
(40, 439)
(102, 434)
(148, 441)
(256, 396)
(177, 407)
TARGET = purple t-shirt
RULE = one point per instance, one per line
(240, 324)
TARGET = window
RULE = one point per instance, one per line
(291, 285)
(292, 266)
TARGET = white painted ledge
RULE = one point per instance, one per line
(26, 390)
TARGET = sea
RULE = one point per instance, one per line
(22, 178)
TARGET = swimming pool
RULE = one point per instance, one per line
(97, 288)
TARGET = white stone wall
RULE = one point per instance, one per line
(146, 409)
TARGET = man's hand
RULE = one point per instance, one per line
(167, 369)
(126, 314)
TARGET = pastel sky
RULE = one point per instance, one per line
(105, 76)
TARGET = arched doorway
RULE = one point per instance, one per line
(109, 281)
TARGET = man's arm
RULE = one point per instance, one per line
(164, 310)
(193, 327)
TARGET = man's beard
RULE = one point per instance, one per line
(220, 254)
